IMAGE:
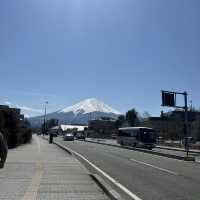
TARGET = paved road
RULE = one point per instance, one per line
(149, 176)
(42, 171)
(171, 151)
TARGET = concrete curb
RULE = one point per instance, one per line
(105, 187)
(63, 147)
(147, 151)
(182, 150)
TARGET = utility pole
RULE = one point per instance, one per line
(45, 112)
(186, 125)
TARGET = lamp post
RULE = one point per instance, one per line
(45, 112)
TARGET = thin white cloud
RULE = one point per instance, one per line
(25, 108)
(32, 93)
(8, 103)
(27, 111)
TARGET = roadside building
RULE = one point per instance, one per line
(165, 127)
(170, 125)
(103, 128)
(3, 107)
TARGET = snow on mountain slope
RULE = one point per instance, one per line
(89, 106)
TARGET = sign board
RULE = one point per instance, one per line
(168, 99)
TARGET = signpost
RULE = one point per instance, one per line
(169, 99)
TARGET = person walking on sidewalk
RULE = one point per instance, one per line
(50, 138)
(3, 150)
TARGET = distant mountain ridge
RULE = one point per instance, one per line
(79, 113)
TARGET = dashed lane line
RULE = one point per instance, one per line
(155, 167)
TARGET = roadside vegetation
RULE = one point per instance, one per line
(14, 127)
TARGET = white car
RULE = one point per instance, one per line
(68, 137)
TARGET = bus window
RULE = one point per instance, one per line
(127, 133)
(134, 133)
(124, 133)
(120, 133)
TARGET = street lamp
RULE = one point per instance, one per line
(45, 112)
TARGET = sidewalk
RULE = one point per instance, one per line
(42, 171)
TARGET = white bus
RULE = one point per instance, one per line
(137, 137)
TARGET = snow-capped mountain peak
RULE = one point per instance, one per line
(88, 106)
(80, 113)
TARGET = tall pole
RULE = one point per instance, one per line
(45, 112)
(186, 125)
(191, 106)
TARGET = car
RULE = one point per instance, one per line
(114, 136)
(80, 136)
(68, 137)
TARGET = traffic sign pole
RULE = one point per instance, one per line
(169, 99)
(186, 125)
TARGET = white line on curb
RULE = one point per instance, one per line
(123, 188)
(153, 166)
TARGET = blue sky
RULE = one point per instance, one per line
(122, 52)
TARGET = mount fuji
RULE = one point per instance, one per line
(79, 113)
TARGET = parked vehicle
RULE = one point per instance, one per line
(114, 136)
(80, 136)
(68, 137)
(137, 137)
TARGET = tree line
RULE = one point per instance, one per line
(131, 118)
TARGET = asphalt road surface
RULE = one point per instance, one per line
(148, 176)
(164, 150)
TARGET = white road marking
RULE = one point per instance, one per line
(123, 188)
(153, 166)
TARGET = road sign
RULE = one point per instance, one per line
(168, 99)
